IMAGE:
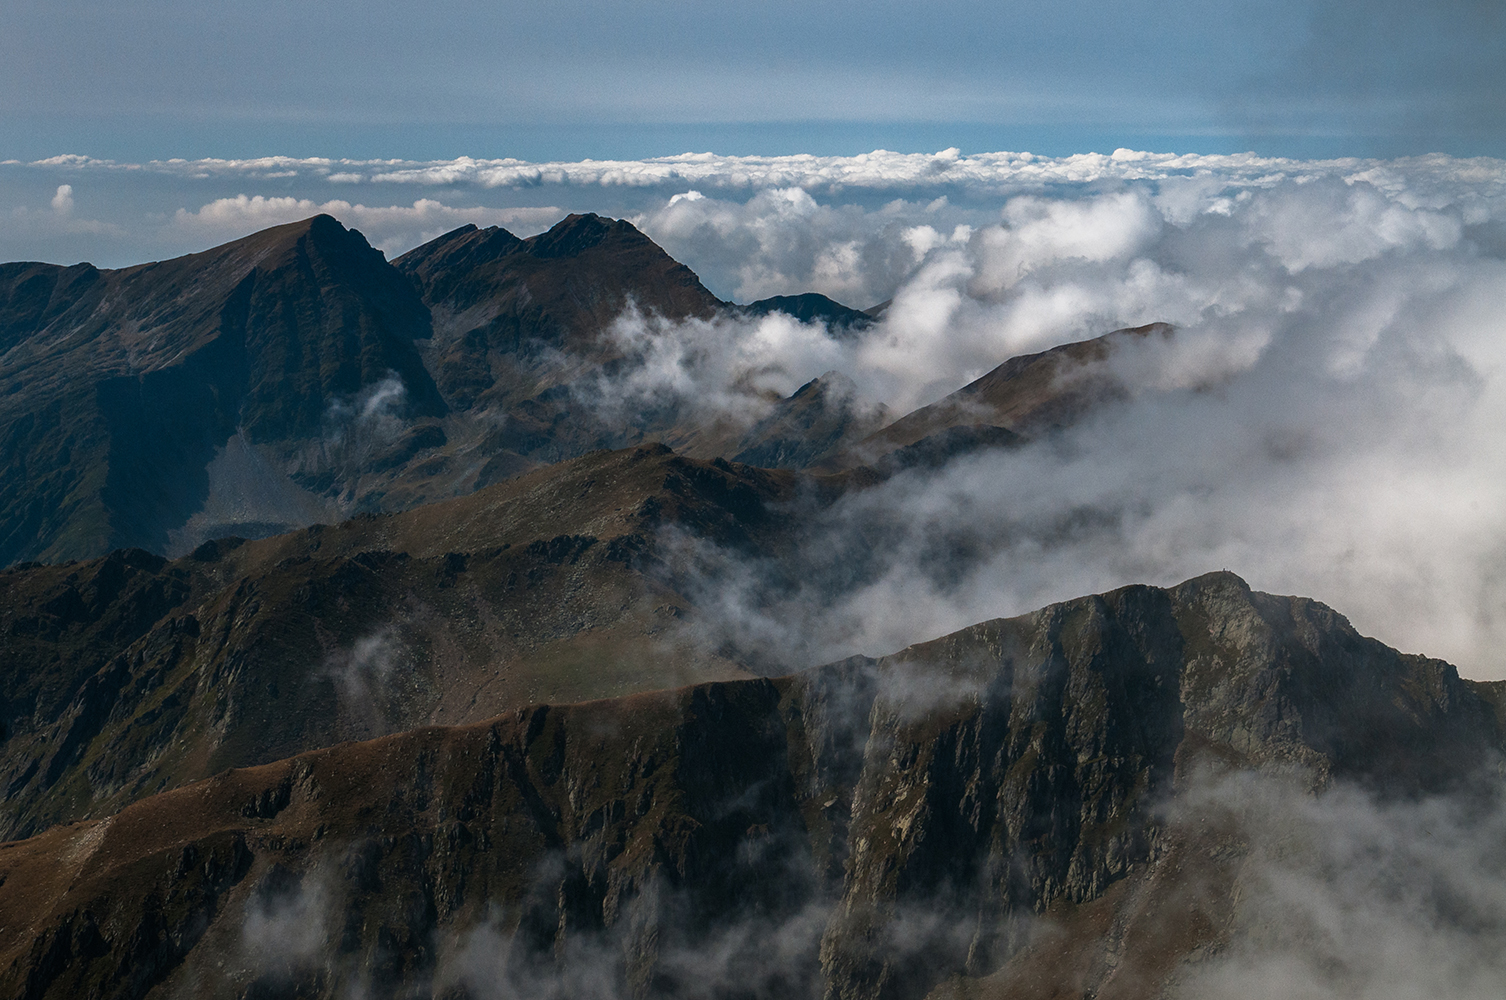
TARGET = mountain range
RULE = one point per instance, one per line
(352, 647)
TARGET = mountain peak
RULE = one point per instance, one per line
(322, 228)
(575, 234)
(456, 252)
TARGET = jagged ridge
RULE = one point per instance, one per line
(895, 819)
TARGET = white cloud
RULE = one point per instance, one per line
(62, 202)
(1325, 421)
(1343, 895)
(1422, 181)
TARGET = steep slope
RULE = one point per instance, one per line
(1025, 395)
(118, 387)
(887, 828)
(129, 674)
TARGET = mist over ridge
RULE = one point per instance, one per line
(1321, 421)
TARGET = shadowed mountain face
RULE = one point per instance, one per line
(295, 377)
(117, 387)
(888, 828)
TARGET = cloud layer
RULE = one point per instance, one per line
(1323, 422)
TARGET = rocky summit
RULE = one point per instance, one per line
(351, 647)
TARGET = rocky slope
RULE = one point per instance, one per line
(126, 675)
(118, 387)
(982, 815)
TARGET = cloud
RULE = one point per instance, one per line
(285, 926)
(979, 173)
(728, 370)
(1346, 895)
(1324, 420)
(849, 201)
(362, 675)
(31, 224)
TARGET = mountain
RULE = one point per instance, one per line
(352, 645)
(1026, 395)
(117, 387)
(873, 828)
(130, 674)
(296, 377)
(504, 309)
(811, 425)
(812, 307)
(521, 332)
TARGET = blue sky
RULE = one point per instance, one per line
(591, 78)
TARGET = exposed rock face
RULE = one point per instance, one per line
(870, 829)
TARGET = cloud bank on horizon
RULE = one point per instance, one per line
(116, 213)
(1324, 422)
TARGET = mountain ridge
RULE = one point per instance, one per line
(885, 796)
(285, 378)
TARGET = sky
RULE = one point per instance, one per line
(573, 79)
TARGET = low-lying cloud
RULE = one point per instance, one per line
(363, 675)
(1324, 420)
(1343, 895)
